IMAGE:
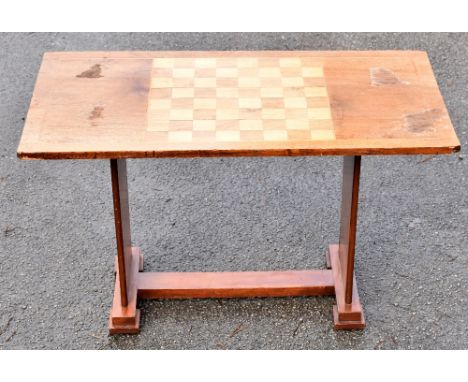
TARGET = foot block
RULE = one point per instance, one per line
(347, 325)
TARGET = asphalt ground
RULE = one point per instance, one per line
(57, 235)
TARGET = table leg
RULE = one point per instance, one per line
(124, 317)
(347, 313)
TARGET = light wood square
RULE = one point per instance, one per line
(155, 125)
(275, 135)
(297, 124)
(299, 102)
(180, 136)
(271, 92)
(227, 114)
(251, 124)
(293, 92)
(227, 92)
(318, 102)
(159, 104)
(204, 103)
(253, 103)
(322, 135)
(204, 82)
(274, 124)
(204, 114)
(249, 82)
(185, 62)
(161, 82)
(271, 82)
(228, 136)
(204, 125)
(182, 82)
(247, 62)
(289, 62)
(181, 114)
(183, 72)
(248, 72)
(273, 114)
(316, 91)
(205, 63)
(319, 113)
(159, 115)
(292, 81)
(312, 72)
(227, 72)
(250, 114)
(251, 136)
(269, 72)
(182, 93)
(296, 114)
(226, 62)
(249, 92)
(204, 92)
(321, 124)
(203, 136)
(161, 72)
(163, 63)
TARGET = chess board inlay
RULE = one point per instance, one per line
(234, 99)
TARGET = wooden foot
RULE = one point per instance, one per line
(129, 328)
(126, 319)
(345, 316)
(347, 325)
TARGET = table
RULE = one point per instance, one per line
(120, 105)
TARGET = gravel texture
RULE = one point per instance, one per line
(57, 245)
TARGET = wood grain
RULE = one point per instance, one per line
(254, 100)
(126, 318)
(122, 226)
(154, 285)
(345, 315)
(348, 221)
(114, 104)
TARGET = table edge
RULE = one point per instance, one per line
(429, 150)
(263, 52)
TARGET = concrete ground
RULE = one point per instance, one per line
(57, 240)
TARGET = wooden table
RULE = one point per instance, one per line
(119, 105)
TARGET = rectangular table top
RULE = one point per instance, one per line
(185, 104)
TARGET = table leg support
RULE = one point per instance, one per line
(131, 283)
(347, 313)
(124, 317)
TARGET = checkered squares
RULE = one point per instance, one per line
(236, 99)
